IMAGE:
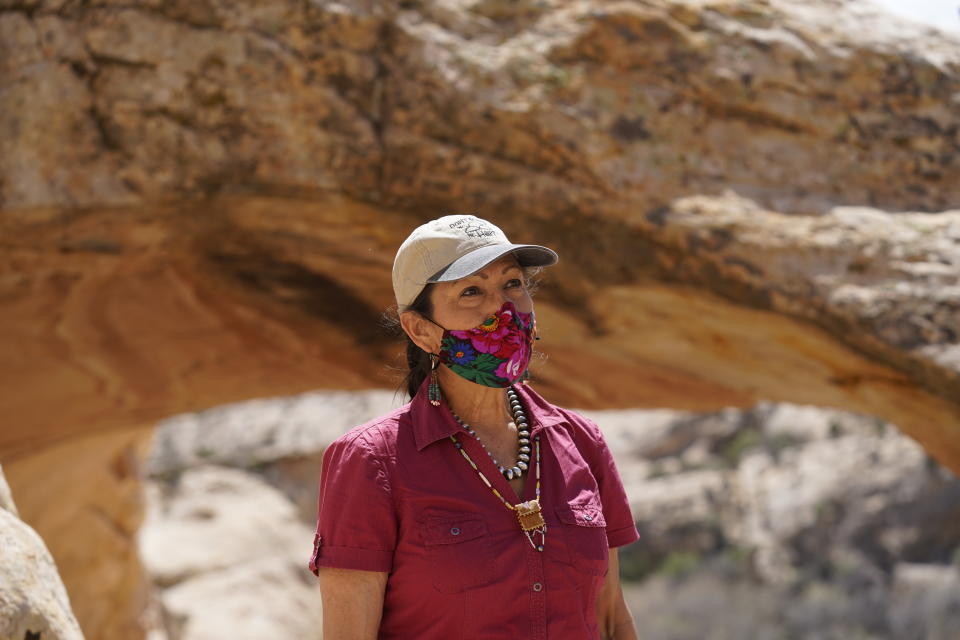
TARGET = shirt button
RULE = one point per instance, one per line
(537, 586)
(455, 531)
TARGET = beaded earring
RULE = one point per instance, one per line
(433, 391)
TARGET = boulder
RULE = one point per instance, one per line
(798, 491)
(33, 600)
(228, 555)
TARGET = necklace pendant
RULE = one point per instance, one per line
(538, 538)
(529, 515)
(532, 523)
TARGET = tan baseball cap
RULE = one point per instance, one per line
(454, 247)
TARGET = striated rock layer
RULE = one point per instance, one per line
(200, 202)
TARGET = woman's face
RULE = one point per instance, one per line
(466, 303)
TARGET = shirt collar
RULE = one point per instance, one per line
(431, 423)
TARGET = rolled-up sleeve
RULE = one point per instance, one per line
(621, 528)
(356, 516)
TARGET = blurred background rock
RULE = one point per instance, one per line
(756, 205)
(782, 521)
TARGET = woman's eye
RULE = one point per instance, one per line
(514, 283)
(470, 291)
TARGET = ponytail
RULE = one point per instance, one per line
(418, 360)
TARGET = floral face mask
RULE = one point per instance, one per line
(494, 354)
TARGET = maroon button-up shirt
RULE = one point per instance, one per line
(396, 496)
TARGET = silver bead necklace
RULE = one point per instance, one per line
(523, 438)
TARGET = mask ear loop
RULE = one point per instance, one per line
(433, 391)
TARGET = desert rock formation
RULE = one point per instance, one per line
(200, 202)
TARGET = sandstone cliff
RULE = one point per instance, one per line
(200, 202)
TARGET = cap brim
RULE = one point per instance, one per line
(528, 255)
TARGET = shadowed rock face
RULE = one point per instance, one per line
(201, 202)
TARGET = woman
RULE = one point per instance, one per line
(479, 509)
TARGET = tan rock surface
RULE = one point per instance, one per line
(557, 107)
(33, 600)
(201, 201)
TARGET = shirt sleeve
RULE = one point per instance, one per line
(356, 518)
(621, 528)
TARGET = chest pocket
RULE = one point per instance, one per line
(585, 535)
(458, 551)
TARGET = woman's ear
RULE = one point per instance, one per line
(424, 333)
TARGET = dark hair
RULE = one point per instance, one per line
(418, 360)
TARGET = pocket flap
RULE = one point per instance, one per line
(453, 530)
(584, 515)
